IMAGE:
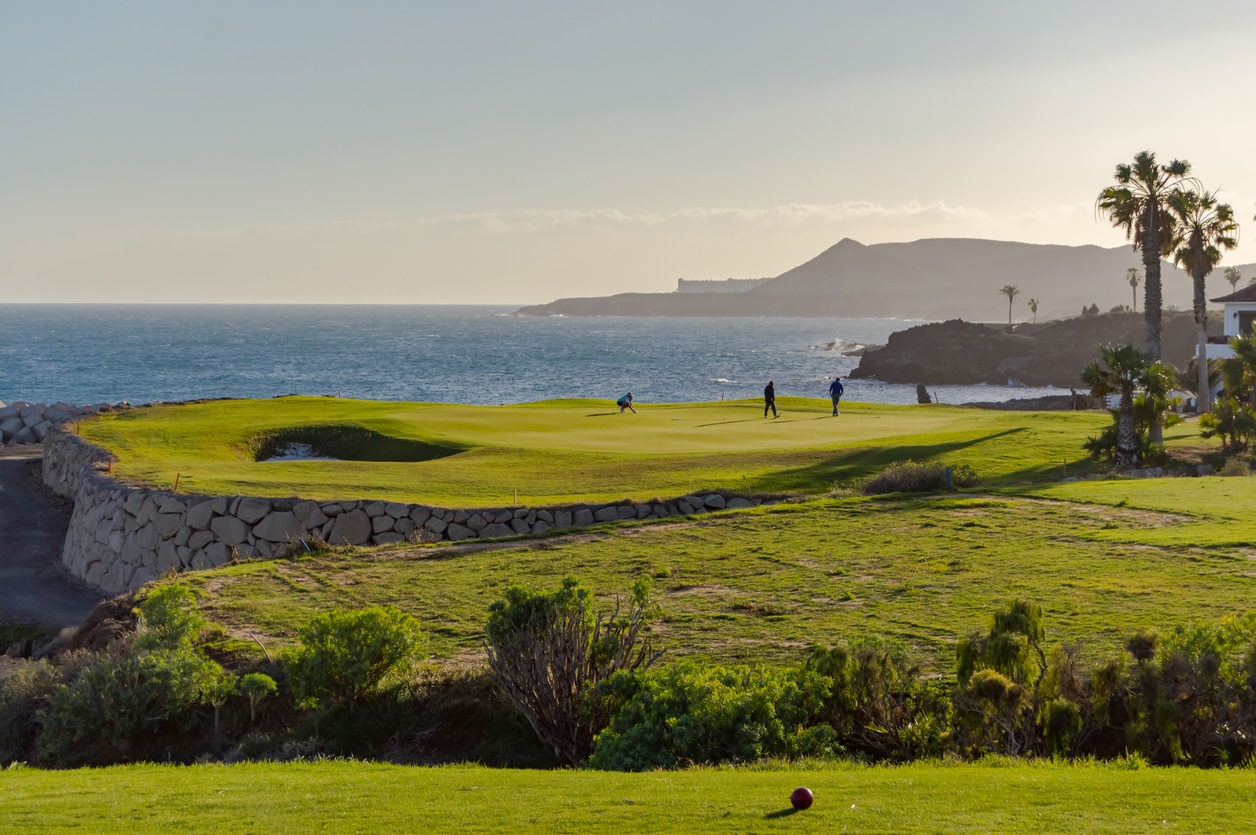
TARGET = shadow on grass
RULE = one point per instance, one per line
(781, 813)
(852, 465)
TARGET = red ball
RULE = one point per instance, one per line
(801, 798)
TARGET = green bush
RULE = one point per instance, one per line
(687, 713)
(23, 692)
(912, 477)
(168, 619)
(114, 699)
(345, 657)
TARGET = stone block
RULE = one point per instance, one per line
(685, 508)
(133, 502)
(456, 532)
(714, 501)
(266, 550)
(279, 526)
(200, 515)
(502, 517)
(522, 512)
(375, 509)
(496, 530)
(545, 516)
(167, 524)
(606, 514)
(352, 528)
(562, 519)
(426, 535)
(738, 503)
(540, 526)
(229, 530)
(644, 511)
(460, 516)
(520, 525)
(582, 517)
(476, 522)
(627, 512)
(405, 527)
(420, 515)
(382, 524)
(395, 509)
(167, 557)
(25, 435)
(251, 511)
(309, 514)
(332, 509)
(169, 504)
(41, 430)
(388, 538)
(436, 525)
(199, 539)
(182, 536)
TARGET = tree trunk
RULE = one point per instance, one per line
(1126, 434)
(1204, 391)
(1152, 300)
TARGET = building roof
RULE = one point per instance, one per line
(1247, 294)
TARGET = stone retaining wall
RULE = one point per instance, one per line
(122, 537)
(28, 423)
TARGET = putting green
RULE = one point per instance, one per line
(572, 450)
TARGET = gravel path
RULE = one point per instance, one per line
(34, 587)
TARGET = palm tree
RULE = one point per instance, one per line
(1208, 229)
(1011, 291)
(1033, 307)
(1233, 275)
(1121, 370)
(1132, 276)
(1137, 205)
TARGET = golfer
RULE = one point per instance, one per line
(625, 402)
(769, 400)
(835, 391)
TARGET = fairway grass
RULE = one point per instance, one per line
(337, 797)
(580, 450)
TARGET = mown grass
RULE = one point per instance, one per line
(580, 450)
(356, 797)
(765, 585)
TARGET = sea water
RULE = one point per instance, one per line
(450, 354)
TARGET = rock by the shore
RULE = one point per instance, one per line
(1047, 354)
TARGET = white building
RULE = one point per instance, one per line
(1238, 316)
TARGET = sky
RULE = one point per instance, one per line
(491, 152)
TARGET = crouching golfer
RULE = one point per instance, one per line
(625, 402)
(835, 391)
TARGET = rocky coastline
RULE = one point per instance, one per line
(1047, 354)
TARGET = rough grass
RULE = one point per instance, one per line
(356, 797)
(765, 585)
(578, 450)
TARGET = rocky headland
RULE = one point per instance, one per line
(1047, 354)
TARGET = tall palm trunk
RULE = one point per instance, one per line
(1204, 390)
(1151, 297)
(1126, 431)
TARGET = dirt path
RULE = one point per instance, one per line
(34, 587)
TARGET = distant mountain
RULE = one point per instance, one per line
(934, 278)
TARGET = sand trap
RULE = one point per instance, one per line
(299, 452)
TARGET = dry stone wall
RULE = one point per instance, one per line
(122, 537)
(28, 423)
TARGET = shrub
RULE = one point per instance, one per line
(116, 698)
(687, 713)
(549, 652)
(168, 619)
(23, 693)
(1230, 420)
(255, 687)
(346, 656)
(911, 477)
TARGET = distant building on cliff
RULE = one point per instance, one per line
(728, 285)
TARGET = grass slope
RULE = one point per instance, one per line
(766, 584)
(578, 450)
(354, 797)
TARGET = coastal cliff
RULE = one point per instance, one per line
(1047, 354)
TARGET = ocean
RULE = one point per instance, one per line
(448, 354)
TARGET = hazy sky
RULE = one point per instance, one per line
(517, 152)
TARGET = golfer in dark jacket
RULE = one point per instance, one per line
(835, 391)
(769, 400)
